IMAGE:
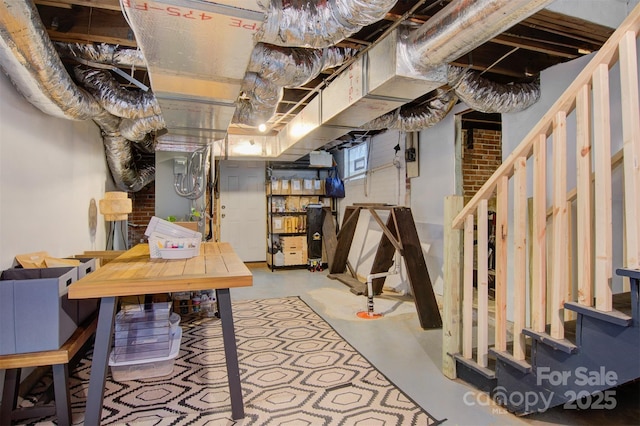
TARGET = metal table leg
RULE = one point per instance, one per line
(9, 394)
(61, 392)
(230, 353)
(100, 361)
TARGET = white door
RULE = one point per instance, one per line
(243, 208)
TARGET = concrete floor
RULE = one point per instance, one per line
(408, 355)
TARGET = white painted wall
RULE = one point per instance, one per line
(50, 169)
(385, 183)
(604, 12)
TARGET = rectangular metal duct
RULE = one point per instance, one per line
(197, 54)
(374, 84)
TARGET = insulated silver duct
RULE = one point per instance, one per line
(31, 62)
(489, 97)
(446, 36)
(108, 123)
(259, 101)
(33, 65)
(115, 98)
(137, 130)
(147, 144)
(274, 67)
(291, 66)
(418, 117)
(131, 173)
(317, 23)
(102, 53)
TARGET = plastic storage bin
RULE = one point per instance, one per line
(124, 370)
(170, 241)
(142, 334)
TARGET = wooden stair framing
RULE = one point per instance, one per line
(552, 285)
(399, 233)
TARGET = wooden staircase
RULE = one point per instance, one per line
(573, 335)
(603, 355)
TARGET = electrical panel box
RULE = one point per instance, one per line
(180, 166)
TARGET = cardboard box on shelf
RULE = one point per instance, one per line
(296, 187)
(285, 187)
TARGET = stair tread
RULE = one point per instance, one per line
(621, 313)
(488, 371)
(506, 356)
(564, 345)
(626, 272)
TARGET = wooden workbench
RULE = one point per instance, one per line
(135, 273)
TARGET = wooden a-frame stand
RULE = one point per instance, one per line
(400, 234)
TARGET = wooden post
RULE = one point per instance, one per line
(569, 295)
(452, 309)
(519, 256)
(602, 193)
(502, 221)
(467, 291)
(482, 350)
(584, 198)
(539, 243)
(631, 146)
(559, 273)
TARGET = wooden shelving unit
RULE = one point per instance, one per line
(290, 189)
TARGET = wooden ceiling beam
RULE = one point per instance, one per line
(67, 4)
(535, 46)
(89, 38)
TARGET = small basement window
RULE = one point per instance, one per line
(356, 160)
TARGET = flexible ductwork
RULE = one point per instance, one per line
(115, 98)
(108, 123)
(447, 36)
(29, 58)
(293, 67)
(260, 100)
(489, 97)
(317, 23)
(274, 67)
(417, 117)
(102, 54)
(137, 130)
(147, 145)
(33, 65)
(133, 169)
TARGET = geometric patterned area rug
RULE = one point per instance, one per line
(295, 370)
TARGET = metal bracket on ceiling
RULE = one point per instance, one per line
(117, 70)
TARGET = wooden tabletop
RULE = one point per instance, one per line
(134, 273)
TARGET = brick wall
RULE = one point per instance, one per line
(481, 160)
(144, 206)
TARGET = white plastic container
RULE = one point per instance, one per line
(185, 242)
(123, 371)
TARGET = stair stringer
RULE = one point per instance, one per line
(606, 358)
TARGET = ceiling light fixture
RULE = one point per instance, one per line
(262, 128)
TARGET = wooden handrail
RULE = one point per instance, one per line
(608, 55)
(552, 259)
